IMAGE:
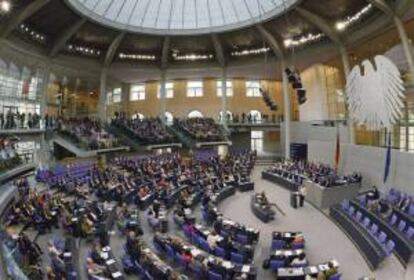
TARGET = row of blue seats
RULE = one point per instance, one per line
(218, 251)
(380, 237)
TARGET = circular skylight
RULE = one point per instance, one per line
(180, 16)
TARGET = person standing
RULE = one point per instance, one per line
(302, 195)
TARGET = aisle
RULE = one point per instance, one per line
(324, 240)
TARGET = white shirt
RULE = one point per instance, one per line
(212, 241)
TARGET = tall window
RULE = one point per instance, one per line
(137, 92)
(169, 90)
(257, 140)
(194, 88)
(117, 95)
(109, 98)
(253, 89)
(229, 86)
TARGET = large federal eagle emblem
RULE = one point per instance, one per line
(375, 93)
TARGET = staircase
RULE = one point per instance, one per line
(266, 160)
(181, 136)
(120, 133)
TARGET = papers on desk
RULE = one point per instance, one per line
(245, 269)
(195, 252)
(290, 271)
(109, 262)
(104, 255)
(106, 249)
(335, 263)
(116, 275)
(323, 267)
(313, 269)
(227, 264)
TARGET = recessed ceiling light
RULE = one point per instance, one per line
(5, 6)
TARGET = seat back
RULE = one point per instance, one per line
(382, 237)
(411, 209)
(237, 258)
(351, 210)
(358, 216)
(276, 264)
(170, 251)
(219, 252)
(374, 229)
(241, 238)
(410, 233)
(345, 204)
(214, 276)
(401, 225)
(389, 247)
(366, 222)
(278, 244)
(393, 219)
(335, 277)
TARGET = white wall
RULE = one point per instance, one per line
(316, 106)
(302, 132)
(370, 161)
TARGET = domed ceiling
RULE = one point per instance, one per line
(180, 16)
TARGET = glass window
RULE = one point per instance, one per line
(253, 89)
(117, 95)
(256, 140)
(229, 86)
(109, 96)
(137, 92)
(194, 88)
(169, 90)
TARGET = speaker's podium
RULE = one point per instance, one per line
(295, 200)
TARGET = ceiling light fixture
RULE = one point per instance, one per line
(5, 6)
(305, 39)
(192, 57)
(247, 52)
(343, 24)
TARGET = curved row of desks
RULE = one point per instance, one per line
(282, 181)
(368, 247)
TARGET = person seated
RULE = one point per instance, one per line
(86, 226)
(187, 256)
(96, 254)
(404, 203)
(372, 195)
(332, 270)
(300, 260)
(58, 266)
(298, 240)
(50, 275)
(95, 269)
(51, 248)
(385, 210)
(212, 239)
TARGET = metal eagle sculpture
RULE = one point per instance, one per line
(375, 93)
